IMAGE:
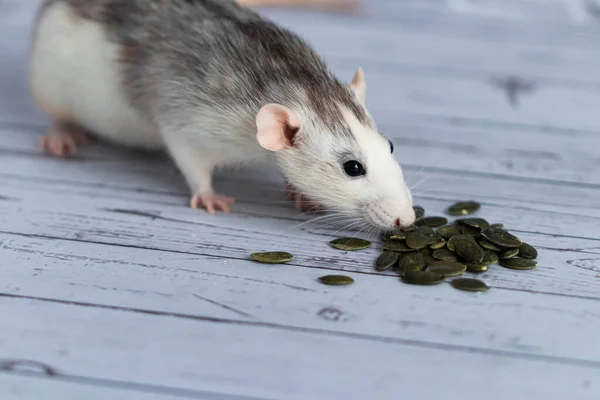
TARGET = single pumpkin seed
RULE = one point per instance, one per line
(489, 245)
(434, 222)
(448, 231)
(474, 222)
(394, 235)
(438, 245)
(444, 255)
(397, 245)
(471, 231)
(426, 230)
(489, 257)
(518, 263)
(416, 240)
(451, 242)
(350, 244)
(469, 284)
(430, 260)
(463, 208)
(447, 268)
(527, 251)
(501, 237)
(336, 280)
(422, 278)
(497, 226)
(476, 268)
(508, 253)
(426, 251)
(419, 212)
(272, 257)
(468, 249)
(386, 260)
(411, 262)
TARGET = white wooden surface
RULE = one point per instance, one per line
(109, 280)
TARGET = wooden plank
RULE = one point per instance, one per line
(566, 261)
(224, 357)
(30, 386)
(291, 296)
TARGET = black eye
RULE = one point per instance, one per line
(354, 168)
(391, 146)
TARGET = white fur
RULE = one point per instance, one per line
(74, 73)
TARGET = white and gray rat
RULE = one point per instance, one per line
(213, 83)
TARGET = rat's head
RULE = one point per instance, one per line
(333, 153)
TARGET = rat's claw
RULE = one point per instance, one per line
(212, 202)
(63, 142)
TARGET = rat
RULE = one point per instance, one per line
(214, 83)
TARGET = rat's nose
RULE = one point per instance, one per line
(398, 223)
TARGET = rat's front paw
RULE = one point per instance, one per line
(63, 142)
(212, 202)
(302, 202)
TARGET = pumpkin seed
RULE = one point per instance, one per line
(272, 257)
(396, 245)
(422, 278)
(451, 242)
(386, 260)
(489, 245)
(489, 257)
(471, 231)
(394, 235)
(411, 262)
(468, 249)
(508, 253)
(518, 263)
(448, 231)
(447, 268)
(419, 212)
(350, 244)
(426, 230)
(438, 245)
(497, 226)
(527, 251)
(416, 240)
(501, 237)
(476, 268)
(434, 222)
(474, 222)
(336, 280)
(444, 255)
(463, 208)
(469, 284)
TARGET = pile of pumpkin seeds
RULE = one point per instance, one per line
(433, 249)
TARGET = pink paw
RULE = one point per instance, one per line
(63, 143)
(212, 202)
(302, 202)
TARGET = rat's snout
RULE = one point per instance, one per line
(406, 217)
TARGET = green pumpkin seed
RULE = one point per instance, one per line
(350, 244)
(434, 222)
(518, 263)
(508, 253)
(426, 251)
(497, 226)
(476, 268)
(527, 251)
(489, 245)
(501, 237)
(471, 231)
(416, 240)
(411, 262)
(336, 280)
(469, 285)
(438, 245)
(444, 255)
(468, 249)
(447, 268)
(394, 235)
(448, 231)
(430, 260)
(451, 242)
(410, 228)
(489, 257)
(272, 257)
(474, 222)
(396, 245)
(419, 212)
(463, 208)
(422, 278)
(386, 260)
(426, 230)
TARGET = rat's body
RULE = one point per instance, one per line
(212, 83)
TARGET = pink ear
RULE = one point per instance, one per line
(276, 126)
(359, 85)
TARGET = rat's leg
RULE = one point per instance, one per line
(301, 202)
(197, 167)
(62, 139)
